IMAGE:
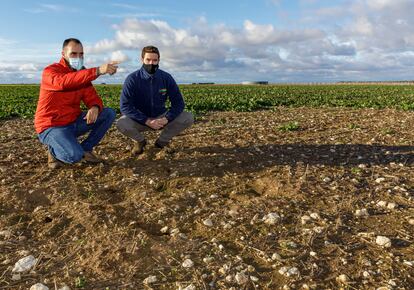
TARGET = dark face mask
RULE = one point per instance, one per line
(150, 68)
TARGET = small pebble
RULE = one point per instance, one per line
(392, 205)
(361, 212)
(343, 279)
(276, 257)
(208, 222)
(190, 287)
(315, 216)
(39, 286)
(241, 278)
(150, 279)
(188, 263)
(24, 264)
(327, 180)
(6, 234)
(383, 241)
(271, 218)
(305, 219)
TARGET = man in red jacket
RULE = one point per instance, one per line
(59, 119)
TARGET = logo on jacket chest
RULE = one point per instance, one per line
(163, 91)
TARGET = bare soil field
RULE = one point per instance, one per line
(234, 203)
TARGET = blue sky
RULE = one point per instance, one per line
(218, 41)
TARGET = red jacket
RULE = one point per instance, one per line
(61, 91)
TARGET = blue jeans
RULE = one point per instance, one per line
(62, 141)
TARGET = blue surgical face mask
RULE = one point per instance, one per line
(76, 63)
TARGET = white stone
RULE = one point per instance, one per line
(312, 254)
(175, 231)
(65, 287)
(150, 279)
(318, 230)
(289, 271)
(241, 278)
(383, 241)
(16, 277)
(271, 218)
(190, 287)
(293, 272)
(164, 230)
(315, 216)
(379, 179)
(343, 279)
(276, 257)
(305, 219)
(24, 264)
(208, 222)
(6, 234)
(409, 263)
(229, 278)
(208, 260)
(188, 263)
(361, 212)
(254, 278)
(327, 180)
(382, 203)
(411, 221)
(366, 274)
(39, 286)
(392, 205)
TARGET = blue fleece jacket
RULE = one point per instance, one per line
(144, 96)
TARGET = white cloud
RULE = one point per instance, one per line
(46, 7)
(28, 67)
(119, 56)
(371, 39)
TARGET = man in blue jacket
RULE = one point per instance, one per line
(143, 98)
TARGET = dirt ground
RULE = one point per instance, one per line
(234, 203)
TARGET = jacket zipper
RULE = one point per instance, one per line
(151, 96)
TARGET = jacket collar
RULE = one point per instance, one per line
(146, 75)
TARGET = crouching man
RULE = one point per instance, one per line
(142, 104)
(59, 119)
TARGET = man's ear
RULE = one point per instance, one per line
(63, 53)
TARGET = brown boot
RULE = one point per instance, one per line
(91, 157)
(52, 162)
(138, 148)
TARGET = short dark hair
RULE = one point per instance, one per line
(67, 41)
(150, 49)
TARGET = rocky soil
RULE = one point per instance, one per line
(239, 201)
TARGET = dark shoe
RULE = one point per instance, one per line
(160, 144)
(52, 162)
(91, 158)
(138, 148)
